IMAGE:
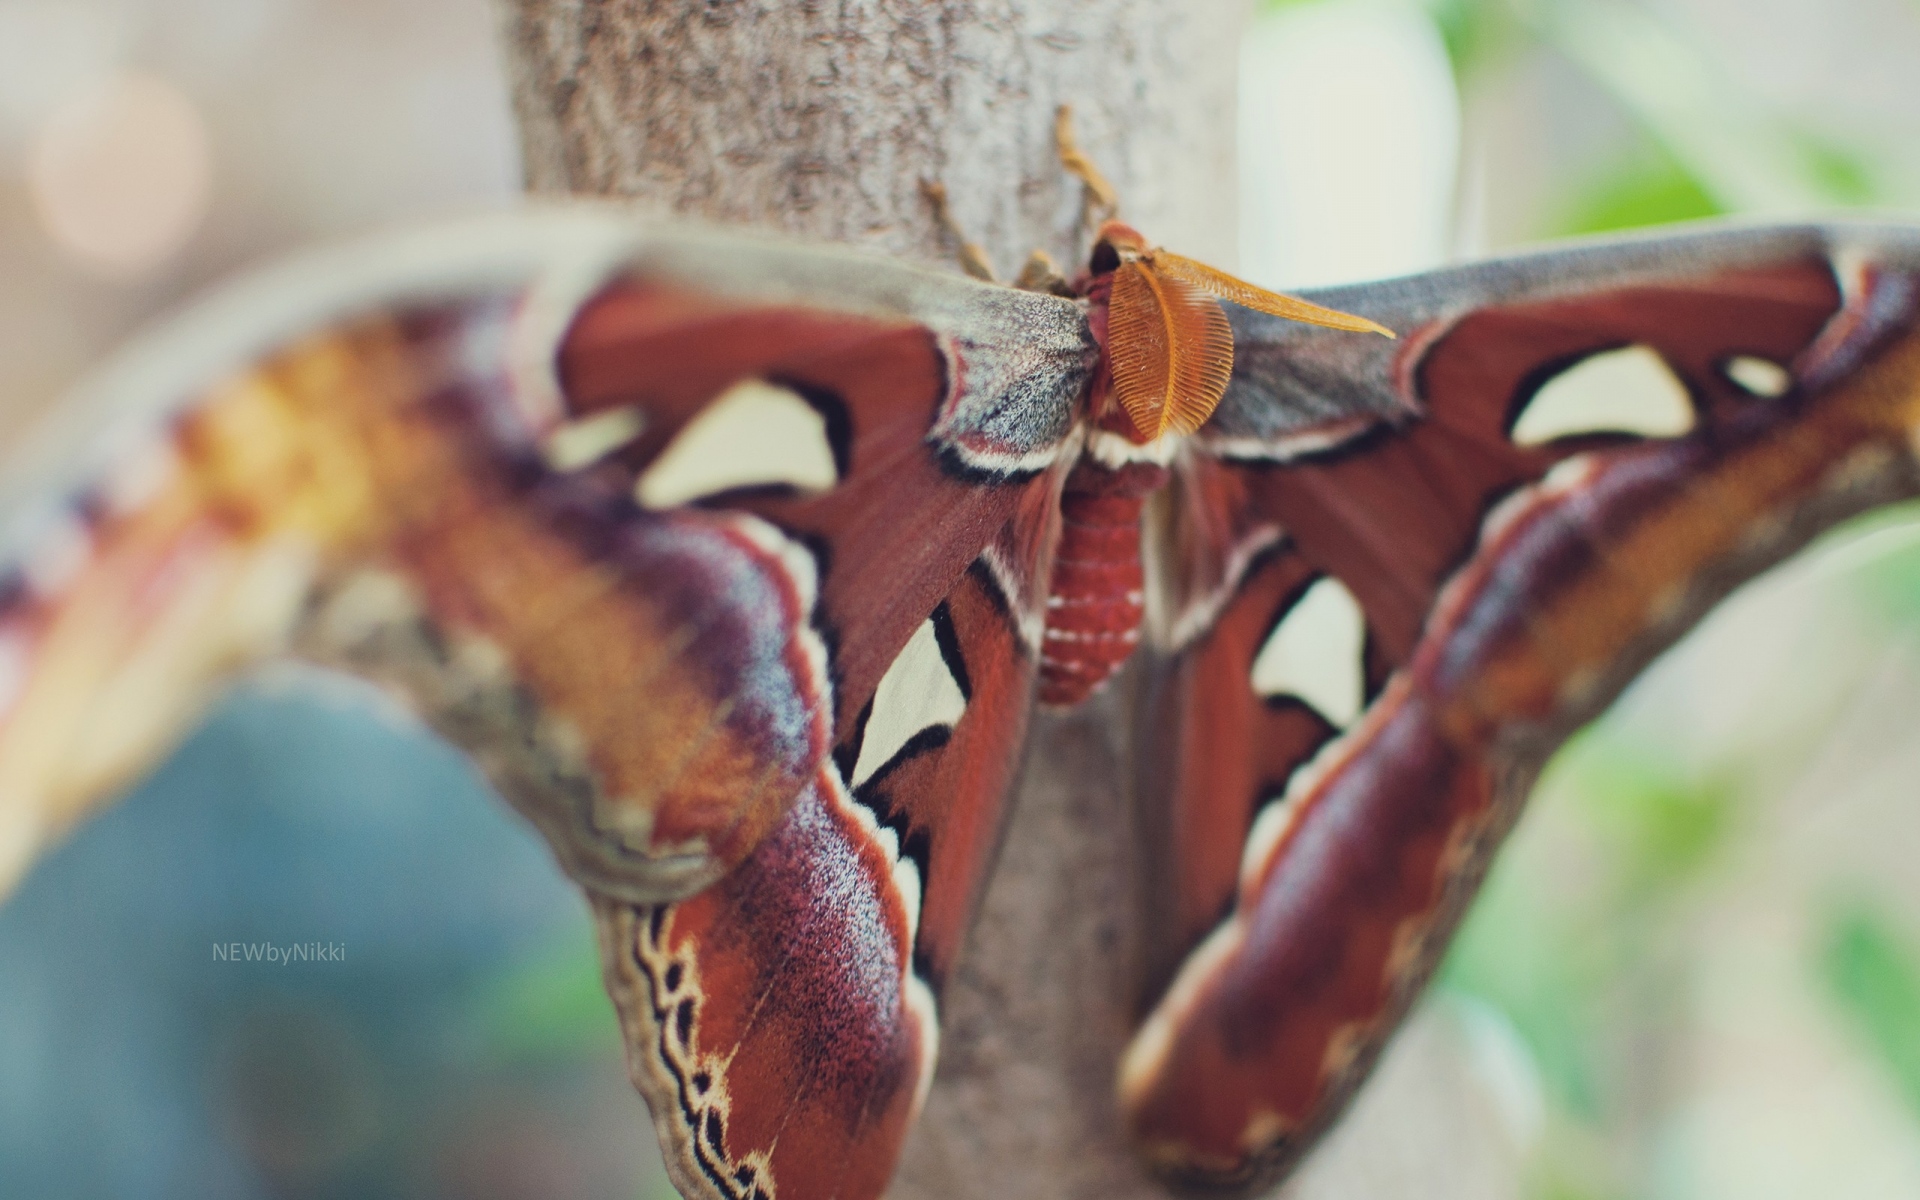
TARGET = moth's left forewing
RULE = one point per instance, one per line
(723, 558)
(943, 400)
(1572, 455)
(783, 1022)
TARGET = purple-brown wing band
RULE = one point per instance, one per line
(647, 686)
(1506, 589)
(782, 1023)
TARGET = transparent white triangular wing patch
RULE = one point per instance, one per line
(1630, 390)
(755, 433)
(918, 692)
(1316, 654)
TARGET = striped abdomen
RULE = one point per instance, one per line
(1095, 604)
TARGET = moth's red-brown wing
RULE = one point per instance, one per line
(1378, 642)
(367, 457)
(782, 1023)
(522, 472)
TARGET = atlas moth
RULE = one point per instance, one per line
(739, 565)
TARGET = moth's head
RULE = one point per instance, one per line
(1114, 244)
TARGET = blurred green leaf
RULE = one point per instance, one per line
(1894, 581)
(1663, 826)
(1649, 189)
(1874, 974)
(1882, 552)
(1723, 150)
(1741, 154)
(1518, 955)
(1548, 1184)
(1839, 171)
(1477, 33)
(1546, 965)
(553, 1007)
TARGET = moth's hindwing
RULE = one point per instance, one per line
(783, 1023)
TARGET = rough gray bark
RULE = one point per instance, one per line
(821, 118)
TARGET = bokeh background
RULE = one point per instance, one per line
(1694, 974)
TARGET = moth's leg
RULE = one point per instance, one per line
(1101, 202)
(1041, 274)
(973, 259)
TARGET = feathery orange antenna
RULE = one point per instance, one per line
(1170, 350)
(1169, 344)
(1226, 287)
